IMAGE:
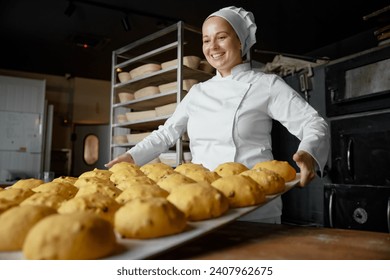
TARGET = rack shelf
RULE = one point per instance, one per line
(162, 46)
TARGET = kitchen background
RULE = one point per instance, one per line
(55, 83)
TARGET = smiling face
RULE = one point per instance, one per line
(221, 45)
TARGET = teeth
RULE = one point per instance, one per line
(216, 55)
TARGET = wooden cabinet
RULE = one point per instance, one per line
(166, 45)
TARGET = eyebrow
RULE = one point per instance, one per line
(218, 33)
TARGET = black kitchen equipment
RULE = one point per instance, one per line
(358, 109)
(358, 83)
(360, 207)
(361, 149)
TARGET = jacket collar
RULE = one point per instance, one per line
(235, 70)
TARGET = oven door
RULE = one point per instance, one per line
(361, 150)
(358, 84)
(360, 207)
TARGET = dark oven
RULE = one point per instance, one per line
(359, 83)
(361, 149)
(358, 110)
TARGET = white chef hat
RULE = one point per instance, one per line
(243, 23)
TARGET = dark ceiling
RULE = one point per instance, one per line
(38, 36)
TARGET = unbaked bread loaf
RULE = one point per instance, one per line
(123, 165)
(241, 191)
(67, 190)
(173, 180)
(6, 204)
(202, 176)
(96, 203)
(97, 173)
(230, 168)
(73, 236)
(149, 218)
(65, 179)
(199, 201)
(141, 191)
(124, 175)
(271, 182)
(184, 167)
(88, 185)
(144, 69)
(197, 172)
(283, 168)
(27, 183)
(89, 181)
(16, 195)
(17, 222)
(52, 200)
(156, 171)
(133, 181)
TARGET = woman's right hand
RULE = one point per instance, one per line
(124, 157)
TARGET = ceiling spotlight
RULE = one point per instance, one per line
(126, 23)
(70, 9)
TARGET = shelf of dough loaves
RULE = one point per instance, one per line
(152, 96)
(161, 77)
(148, 119)
(143, 124)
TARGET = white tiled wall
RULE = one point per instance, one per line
(24, 96)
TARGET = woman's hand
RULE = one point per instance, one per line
(124, 157)
(307, 165)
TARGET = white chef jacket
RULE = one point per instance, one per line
(229, 119)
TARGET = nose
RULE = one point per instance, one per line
(214, 44)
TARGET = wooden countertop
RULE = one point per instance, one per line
(246, 240)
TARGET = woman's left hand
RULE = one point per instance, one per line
(307, 165)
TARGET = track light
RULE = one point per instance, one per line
(126, 23)
(70, 9)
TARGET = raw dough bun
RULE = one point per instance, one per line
(183, 168)
(141, 191)
(66, 179)
(96, 185)
(27, 183)
(52, 200)
(173, 180)
(230, 168)
(271, 182)
(16, 223)
(16, 195)
(125, 174)
(137, 180)
(73, 236)
(97, 173)
(123, 165)
(201, 176)
(156, 171)
(199, 201)
(149, 218)
(283, 168)
(97, 203)
(67, 190)
(241, 191)
(90, 181)
(6, 204)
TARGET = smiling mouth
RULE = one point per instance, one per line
(217, 55)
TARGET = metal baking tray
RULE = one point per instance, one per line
(137, 249)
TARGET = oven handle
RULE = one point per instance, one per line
(388, 214)
(349, 157)
(330, 208)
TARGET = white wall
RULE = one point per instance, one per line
(27, 98)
